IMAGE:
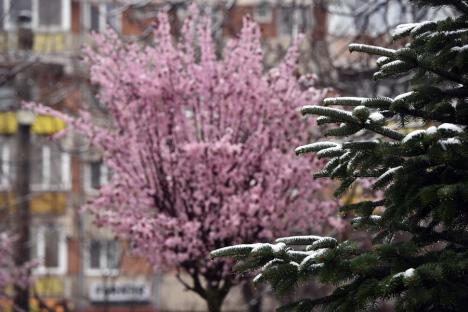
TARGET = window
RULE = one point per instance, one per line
(16, 8)
(49, 247)
(6, 169)
(46, 15)
(103, 257)
(2, 14)
(8, 98)
(50, 168)
(285, 21)
(96, 24)
(96, 174)
(100, 16)
(292, 20)
(181, 11)
(263, 13)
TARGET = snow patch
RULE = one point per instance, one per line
(431, 130)
(450, 127)
(376, 117)
(447, 142)
(413, 135)
(409, 273)
(404, 95)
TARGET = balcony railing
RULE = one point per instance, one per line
(39, 43)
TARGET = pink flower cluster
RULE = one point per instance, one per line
(10, 273)
(201, 146)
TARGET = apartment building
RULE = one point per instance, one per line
(82, 267)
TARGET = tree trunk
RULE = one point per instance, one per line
(214, 300)
(214, 295)
(214, 305)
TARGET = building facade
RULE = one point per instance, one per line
(80, 266)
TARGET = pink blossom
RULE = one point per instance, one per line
(201, 147)
(10, 273)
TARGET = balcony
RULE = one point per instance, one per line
(48, 47)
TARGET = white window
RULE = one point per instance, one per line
(49, 247)
(46, 15)
(263, 13)
(6, 168)
(16, 8)
(284, 20)
(51, 168)
(103, 257)
(96, 174)
(292, 20)
(181, 11)
(2, 13)
(99, 16)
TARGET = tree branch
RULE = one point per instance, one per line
(460, 5)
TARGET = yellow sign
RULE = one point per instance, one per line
(48, 203)
(43, 125)
(47, 125)
(41, 203)
(49, 286)
(49, 43)
(8, 124)
(34, 306)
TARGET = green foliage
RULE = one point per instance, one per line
(419, 256)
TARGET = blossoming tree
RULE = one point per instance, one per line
(201, 148)
(11, 275)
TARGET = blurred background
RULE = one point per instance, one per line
(84, 268)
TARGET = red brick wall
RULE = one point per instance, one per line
(75, 17)
(73, 256)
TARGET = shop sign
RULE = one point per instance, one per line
(120, 292)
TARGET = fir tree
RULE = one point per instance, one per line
(419, 255)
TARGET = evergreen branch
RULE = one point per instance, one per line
(458, 237)
(391, 53)
(460, 5)
(299, 240)
(343, 130)
(392, 134)
(429, 235)
(344, 101)
(306, 304)
(330, 152)
(369, 49)
(345, 116)
(238, 250)
(456, 92)
(323, 120)
(378, 102)
(315, 147)
(360, 145)
(338, 114)
(425, 115)
(444, 74)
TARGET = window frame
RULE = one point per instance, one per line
(103, 270)
(266, 18)
(5, 171)
(103, 18)
(65, 172)
(40, 269)
(104, 177)
(302, 20)
(65, 26)
(282, 29)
